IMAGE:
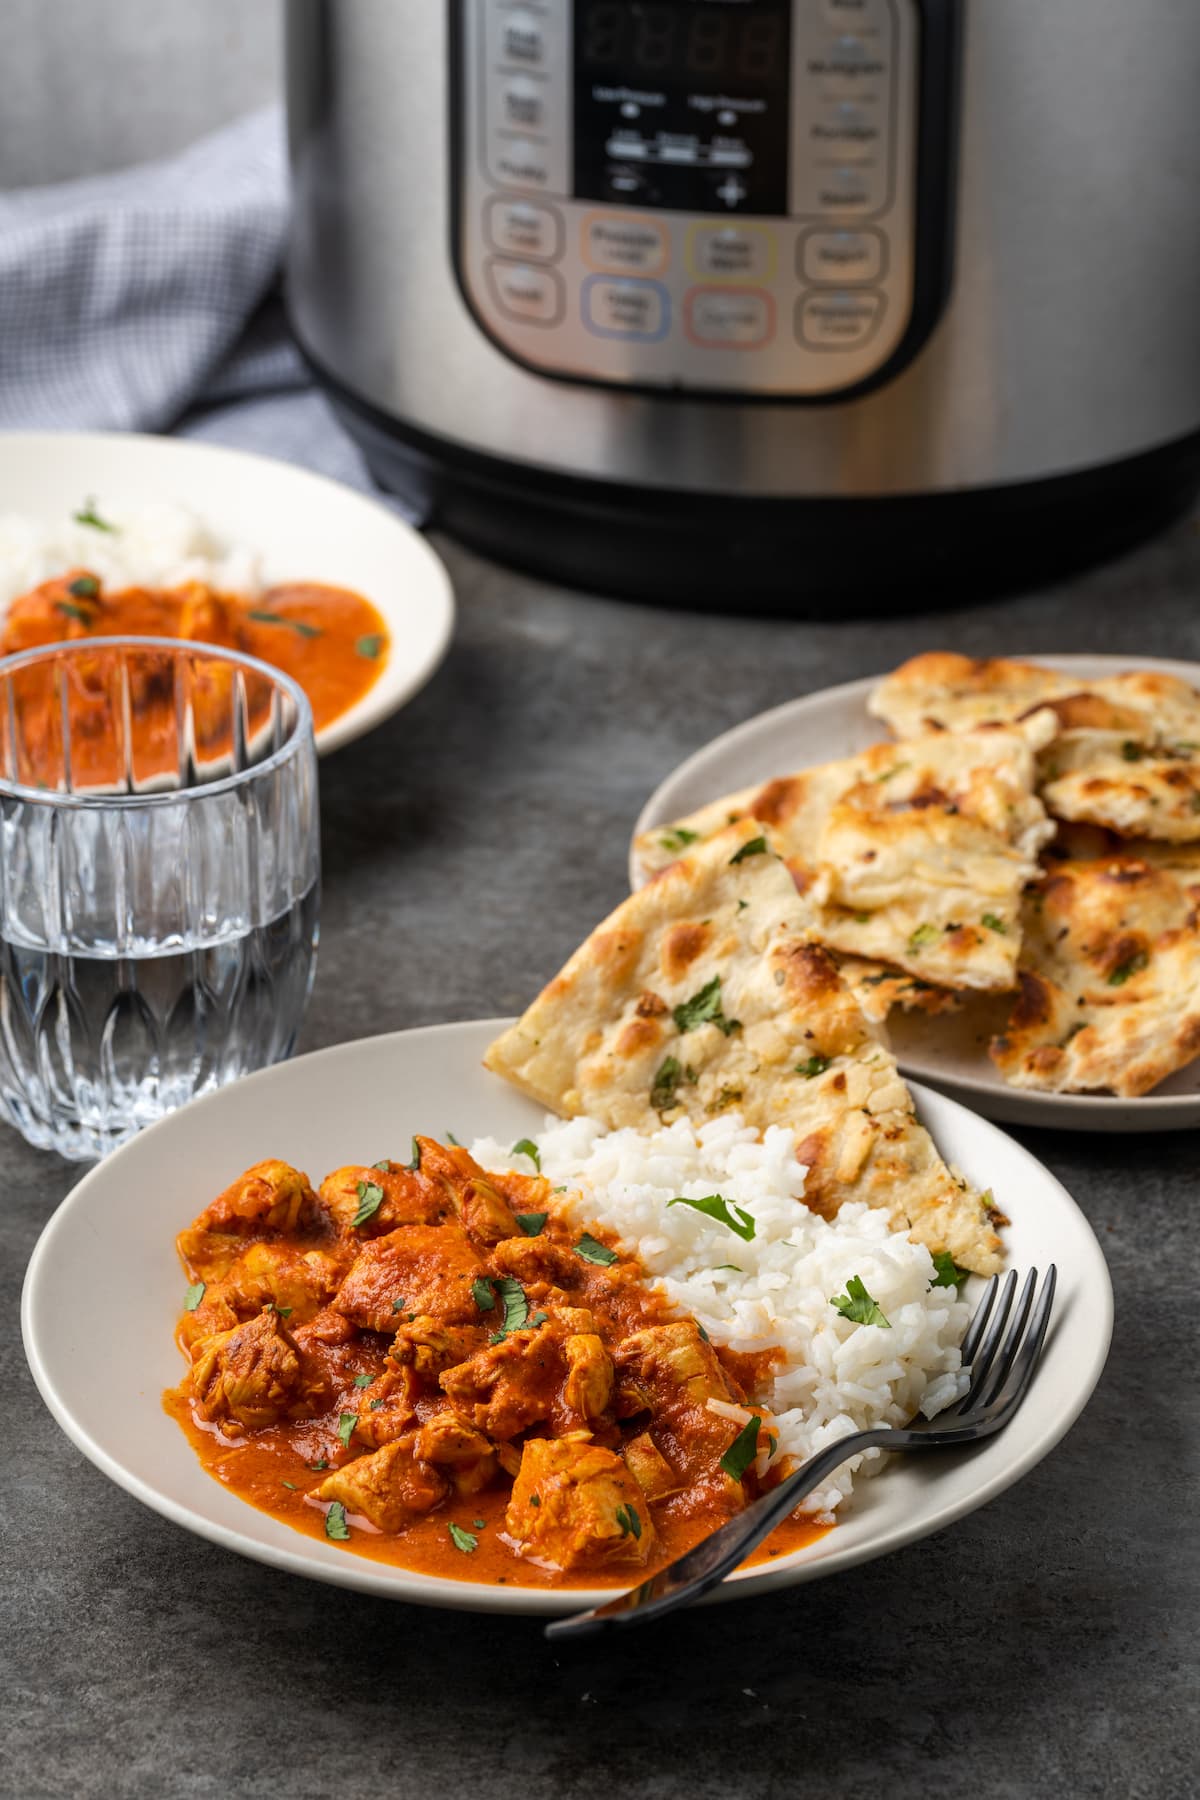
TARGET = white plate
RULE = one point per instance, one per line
(111, 1243)
(303, 527)
(950, 1052)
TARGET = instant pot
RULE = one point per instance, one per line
(758, 302)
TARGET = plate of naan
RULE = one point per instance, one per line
(1001, 856)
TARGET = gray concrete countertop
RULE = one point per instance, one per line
(1046, 1645)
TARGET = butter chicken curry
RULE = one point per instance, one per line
(433, 1365)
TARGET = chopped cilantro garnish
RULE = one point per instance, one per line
(993, 923)
(462, 1540)
(1133, 965)
(87, 515)
(594, 1252)
(924, 934)
(946, 1271)
(69, 610)
(754, 847)
(662, 1093)
(627, 1519)
(858, 1306)
(84, 587)
(363, 1380)
(322, 1462)
(478, 1524)
(715, 1206)
(384, 1167)
(451, 1139)
(527, 1147)
(288, 1484)
(516, 1307)
(376, 1404)
(194, 1296)
(370, 646)
(678, 838)
(1131, 751)
(816, 1065)
(398, 1304)
(894, 770)
(743, 1450)
(483, 1295)
(300, 626)
(335, 1522)
(370, 1199)
(704, 1008)
(346, 1423)
(415, 1164)
(532, 1224)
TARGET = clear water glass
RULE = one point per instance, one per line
(159, 881)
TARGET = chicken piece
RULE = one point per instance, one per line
(410, 1197)
(296, 1284)
(253, 1376)
(677, 1356)
(429, 1346)
(589, 1384)
(466, 1456)
(482, 1209)
(204, 614)
(680, 1373)
(387, 1409)
(270, 1197)
(509, 1386)
(576, 1506)
(650, 1468)
(328, 1328)
(537, 1264)
(420, 1269)
(575, 1318)
(387, 1487)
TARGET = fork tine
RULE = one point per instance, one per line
(979, 1319)
(1031, 1349)
(981, 1358)
(990, 1382)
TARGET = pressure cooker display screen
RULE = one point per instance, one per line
(683, 103)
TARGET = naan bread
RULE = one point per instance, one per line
(913, 855)
(1128, 751)
(699, 995)
(1110, 976)
(879, 989)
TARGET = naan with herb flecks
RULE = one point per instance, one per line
(702, 994)
(913, 855)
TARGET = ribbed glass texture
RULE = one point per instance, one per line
(159, 881)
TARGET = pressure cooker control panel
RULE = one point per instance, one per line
(706, 195)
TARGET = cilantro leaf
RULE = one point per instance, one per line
(1133, 965)
(376, 1404)
(346, 1423)
(370, 1199)
(322, 1462)
(288, 1484)
(527, 1147)
(466, 1541)
(300, 626)
(946, 1271)
(398, 1304)
(857, 1305)
(816, 1065)
(516, 1306)
(335, 1522)
(594, 1252)
(704, 1008)
(87, 515)
(1131, 751)
(451, 1139)
(532, 1224)
(363, 1380)
(994, 924)
(743, 1450)
(627, 1519)
(370, 646)
(754, 847)
(895, 769)
(415, 1164)
(194, 1296)
(483, 1295)
(662, 1093)
(69, 610)
(715, 1206)
(678, 838)
(84, 587)
(384, 1166)
(924, 934)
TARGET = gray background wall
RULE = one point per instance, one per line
(96, 84)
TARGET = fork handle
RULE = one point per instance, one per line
(708, 1563)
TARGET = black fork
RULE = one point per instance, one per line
(1001, 1348)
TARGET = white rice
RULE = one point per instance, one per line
(837, 1377)
(161, 545)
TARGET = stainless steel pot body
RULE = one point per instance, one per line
(1070, 337)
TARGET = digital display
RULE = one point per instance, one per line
(683, 103)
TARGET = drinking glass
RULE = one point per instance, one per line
(159, 881)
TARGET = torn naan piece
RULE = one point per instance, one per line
(1127, 756)
(913, 855)
(1110, 976)
(879, 989)
(698, 996)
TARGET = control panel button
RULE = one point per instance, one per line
(523, 39)
(852, 15)
(529, 295)
(523, 228)
(841, 257)
(523, 103)
(618, 243)
(846, 129)
(626, 308)
(520, 162)
(729, 318)
(849, 189)
(837, 321)
(731, 252)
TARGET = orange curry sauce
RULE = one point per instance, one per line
(348, 1376)
(332, 641)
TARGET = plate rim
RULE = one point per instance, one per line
(389, 1581)
(385, 697)
(1023, 1106)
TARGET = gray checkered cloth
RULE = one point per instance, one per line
(127, 298)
